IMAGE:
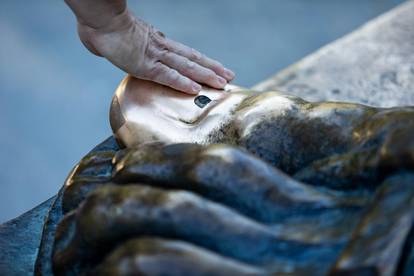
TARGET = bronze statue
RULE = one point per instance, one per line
(283, 130)
(238, 183)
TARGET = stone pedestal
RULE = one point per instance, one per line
(20, 239)
(373, 65)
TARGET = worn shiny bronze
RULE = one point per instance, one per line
(144, 111)
(276, 185)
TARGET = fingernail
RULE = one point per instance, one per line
(221, 81)
(196, 87)
(229, 74)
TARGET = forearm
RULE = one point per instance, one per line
(99, 14)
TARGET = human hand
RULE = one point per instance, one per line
(144, 52)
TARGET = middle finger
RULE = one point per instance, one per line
(193, 70)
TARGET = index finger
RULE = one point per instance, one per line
(199, 58)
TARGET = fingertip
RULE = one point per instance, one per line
(228, 74)
(195, 88)
(221, 81)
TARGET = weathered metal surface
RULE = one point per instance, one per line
(21, 237)
(282, 186)
(94, 167)
(374, 65)
(20, 240)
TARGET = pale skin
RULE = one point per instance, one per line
(108, 29)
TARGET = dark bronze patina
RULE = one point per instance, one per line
(250, 184)
(262, 184)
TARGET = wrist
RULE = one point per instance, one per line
(114, 23)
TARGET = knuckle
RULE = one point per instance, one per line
(179, 48)
(159, 33)
(211, 76)
(152, 52)
(189, 66)
(175, 77)
(158, 40)
(164, 54)
(156, 70)
(196, 55)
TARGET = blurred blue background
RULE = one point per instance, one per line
(54, 94)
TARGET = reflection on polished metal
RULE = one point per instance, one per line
(144, 111)
(281, 129)
(279, 186)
